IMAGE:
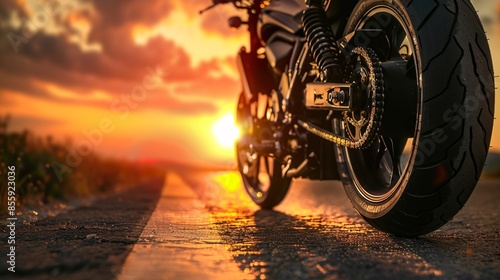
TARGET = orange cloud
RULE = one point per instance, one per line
(90, 66)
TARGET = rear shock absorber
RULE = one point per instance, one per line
(321, 40)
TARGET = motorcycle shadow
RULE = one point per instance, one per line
(274, 245)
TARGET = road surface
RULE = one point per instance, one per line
(202, 225)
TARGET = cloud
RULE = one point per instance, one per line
(195, 5)
(216, 21)
(125, 12)
(12, 6)
(53, 59)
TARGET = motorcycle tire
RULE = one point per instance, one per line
(261, 174)
(451, 128)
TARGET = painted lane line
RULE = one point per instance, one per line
(180, 241)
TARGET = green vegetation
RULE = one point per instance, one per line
(37, 181)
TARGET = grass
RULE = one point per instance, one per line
(37, 182)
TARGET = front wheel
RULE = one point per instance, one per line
(261, 171)
(435, 134)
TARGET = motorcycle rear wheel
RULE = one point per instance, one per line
(416, 177)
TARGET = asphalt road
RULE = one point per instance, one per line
(202, 225)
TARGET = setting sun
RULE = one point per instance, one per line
(225, 131)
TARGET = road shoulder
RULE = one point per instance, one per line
(89, 242)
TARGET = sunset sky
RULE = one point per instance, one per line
(152, 76)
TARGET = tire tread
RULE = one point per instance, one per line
(424, 208)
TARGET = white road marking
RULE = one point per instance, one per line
(179, 241)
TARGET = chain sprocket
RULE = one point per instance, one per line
(362, 124)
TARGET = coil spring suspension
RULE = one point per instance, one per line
(321, 42)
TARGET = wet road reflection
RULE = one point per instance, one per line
(315, 234)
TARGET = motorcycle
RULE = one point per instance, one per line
(394, 98)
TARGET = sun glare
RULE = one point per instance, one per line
(225, 131)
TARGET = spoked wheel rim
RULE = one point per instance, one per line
(257, 170)
(258, 179)
(378, 172)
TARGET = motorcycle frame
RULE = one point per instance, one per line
(255, 81)
(257, 77)
(337, 10)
